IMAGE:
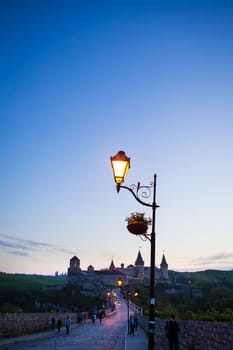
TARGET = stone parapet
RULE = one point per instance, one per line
(15, 324)
(194, 335)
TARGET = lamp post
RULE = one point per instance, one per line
(120, 284)
(120, 164)
(108, 294)
(127, 298)
(129, 293)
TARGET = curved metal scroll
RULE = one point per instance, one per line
(139, 192)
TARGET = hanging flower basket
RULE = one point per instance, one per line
(137, 227)
(137, 223)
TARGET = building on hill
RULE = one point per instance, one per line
(139, 266)
(112, 266)
(141, 273)
(137, 273)
(74, 268)
(164, 268)
(90, 268)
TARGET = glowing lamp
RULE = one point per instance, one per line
(120, 166)
(119, 282)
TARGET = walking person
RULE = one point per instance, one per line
(131, 325)
(59, 325)
(93, 317)
(172, 333)
(101, 314)
(53, 322)
(68, 324)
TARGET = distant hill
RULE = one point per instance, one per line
(196, 295)
(196, 279)
(24, 282)
(202, 295)
(36, 293)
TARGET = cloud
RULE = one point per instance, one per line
(218, 261)
(22, 246)
(12, 245)
(221, 256)
(222, 259)
(18, 253)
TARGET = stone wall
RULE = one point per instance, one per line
(194, 335)
(16, 324)
(12, 324)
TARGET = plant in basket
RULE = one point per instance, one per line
(137, 223)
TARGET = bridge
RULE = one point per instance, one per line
(110, 334)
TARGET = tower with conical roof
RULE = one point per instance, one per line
(164, 268)
(112, 266)
(139, 266)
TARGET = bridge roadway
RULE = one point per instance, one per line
(111, 334)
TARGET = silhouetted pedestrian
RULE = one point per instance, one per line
(68, 324)
(59, 325)
(172, 331)
(53, 322)
(93, 317)
(101, 315)
(131, 325)
(79, 317)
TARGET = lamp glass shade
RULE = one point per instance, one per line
(120, 166)
(119, 282)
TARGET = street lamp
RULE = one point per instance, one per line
(119, 282)
(127, 298)
(120, 164)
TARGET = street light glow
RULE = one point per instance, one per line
(120, 165)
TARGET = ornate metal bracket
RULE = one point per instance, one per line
(140, 193)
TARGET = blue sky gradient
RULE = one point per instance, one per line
(81, 80)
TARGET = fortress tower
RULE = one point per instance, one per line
(164, 268)
(112, 266)
(74, 268)
(139, 266)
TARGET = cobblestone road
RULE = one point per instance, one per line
(110, 334)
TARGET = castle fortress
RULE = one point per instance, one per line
(131, 274)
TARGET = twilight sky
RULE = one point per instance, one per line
(81, 80)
